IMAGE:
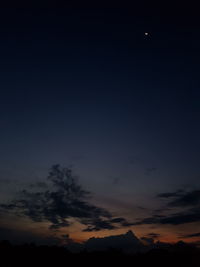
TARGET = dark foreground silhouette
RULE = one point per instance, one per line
(32, 255)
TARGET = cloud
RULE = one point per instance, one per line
(153, 235)
(150, 238)
(118, 220)
(122, 221)
(99, 224)
(109, 224)
(187, 203)
(191, 235)
(181, 198)
(171, 195)
(174, 219)
(63, 200)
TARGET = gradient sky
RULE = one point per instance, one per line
(85, 87)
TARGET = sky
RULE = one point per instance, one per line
(85, 88)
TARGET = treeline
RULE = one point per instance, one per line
(32, 255)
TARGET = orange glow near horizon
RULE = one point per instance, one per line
(76, 233)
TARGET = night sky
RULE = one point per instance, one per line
(87, 89)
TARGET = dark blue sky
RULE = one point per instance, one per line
(85, 86)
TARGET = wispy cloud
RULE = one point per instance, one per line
(191, 235)
(187, 203)
(63, 200)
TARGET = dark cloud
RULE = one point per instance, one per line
(187, 199)
(118, 220)
(174, 219)
(181, 198)
(153, 235)
(109, 224)
(122, 221)
(182, 218)
(177, 193)
(66, 199)
(142, 208)
(187, 203)
(191, 235)
(150, 238)
(99, 224)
